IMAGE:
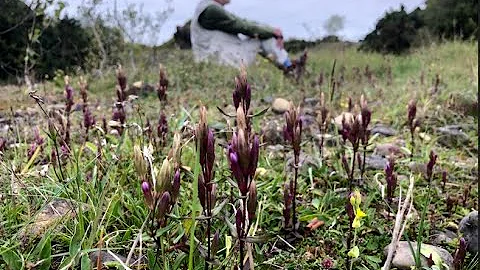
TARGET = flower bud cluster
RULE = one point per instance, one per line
(160, 187)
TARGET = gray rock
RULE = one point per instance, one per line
(375, 162)
(403, 258)
(305, 161)
(46, 218)
(441, 238)
(469, 228)
(275, 151)
(272, 132)
(4, 121)
(388, 149)
(383, 130)
(452, 135)
(306, 111)
(311, 101)
(280, 105)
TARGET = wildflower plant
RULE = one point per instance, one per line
(205, 143)
(88, 118)
(242, 154)
(119, 114)
(162, 130)
(391, 179)
(366, 116)
(68, 109)
(322, 122)
(160, 188)
(355, 199)
(460, 254)
(292, 133)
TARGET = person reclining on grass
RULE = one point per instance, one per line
(214, 34)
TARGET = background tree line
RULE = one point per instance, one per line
(399, 31)
(36, 42)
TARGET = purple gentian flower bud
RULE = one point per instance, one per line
(210, 155)
(237, 171)
(215, 242)
(236, 99)
(460, 254)
(248, 97)
(147, 194)
(163, 205)
(431, 164)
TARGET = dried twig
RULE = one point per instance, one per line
(400, 222)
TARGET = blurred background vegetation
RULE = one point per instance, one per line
(37, 44)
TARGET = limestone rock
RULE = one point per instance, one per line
(469, 229)
(375, 162)
(52, 212)
(348, 119)
(388, 149)
(383, 130)
(452, 135)
(403, 258)
(280, 105)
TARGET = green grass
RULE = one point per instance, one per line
(109, 204)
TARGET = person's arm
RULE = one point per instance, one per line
(217, 18)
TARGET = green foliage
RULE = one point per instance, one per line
(452, 18)
(398, 31)
(111, 209)
(14, 20)
(394, 33)
(65, 46)
(48, 44)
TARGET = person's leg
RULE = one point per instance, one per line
(271, 50)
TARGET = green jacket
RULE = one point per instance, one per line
(217, 18)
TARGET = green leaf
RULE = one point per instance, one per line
(354, 252)
(373, 259)
(85, 262)
(91, 146)
(316, 203)
(46, 254)
(228, 244)
(178, 261)
(12, 259)
(76, 241)
(427, 250)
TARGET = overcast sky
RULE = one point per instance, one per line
(299, 18)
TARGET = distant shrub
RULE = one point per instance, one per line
(398, 31)
(394, 33)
